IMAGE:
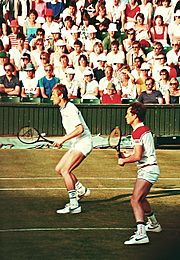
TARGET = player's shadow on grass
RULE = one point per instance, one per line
(153, 194)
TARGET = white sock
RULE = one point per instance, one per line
(73, 199)
(80, 188)
(152, 219)
(141, 229)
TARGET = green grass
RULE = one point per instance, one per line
(24, 210)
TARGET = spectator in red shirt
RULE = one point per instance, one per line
(111, 97)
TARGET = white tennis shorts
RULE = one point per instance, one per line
(149, 173)
(84, 145)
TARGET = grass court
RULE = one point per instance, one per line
(31, 191)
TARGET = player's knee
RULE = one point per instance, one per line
(58, 170)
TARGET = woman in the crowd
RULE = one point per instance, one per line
(173, 94)
(159, 32)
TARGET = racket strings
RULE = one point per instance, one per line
(28, 135)
(114, 137)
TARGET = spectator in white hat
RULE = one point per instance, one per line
(99, 71)
(89, 88)
(56, 35)
(60, 49)
(89, 43)
(75, 35)
(145, 73)
(112, 35)
(72, 84)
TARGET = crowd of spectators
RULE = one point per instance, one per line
(116, 51)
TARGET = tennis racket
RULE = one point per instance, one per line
(114, 140)
(30, 135)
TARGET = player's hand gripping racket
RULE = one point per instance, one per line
(30, 135)
(115, 140)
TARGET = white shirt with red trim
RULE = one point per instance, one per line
(142, 135)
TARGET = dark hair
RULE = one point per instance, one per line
(61, 89)
(21, 36)
(78, 42)
(150, 78)
(9, 64)
(137, 108)
(115, 42)
(141, 15)
(166, 72)
(41, 30)
(33, 11)
(84, 57)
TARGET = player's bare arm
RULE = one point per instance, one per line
(78, 131)
(134, 157)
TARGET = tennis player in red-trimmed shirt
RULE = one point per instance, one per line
(148, 172)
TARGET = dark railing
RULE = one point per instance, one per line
(164, 120)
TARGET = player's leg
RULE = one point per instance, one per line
(68, 162)
(141, 189)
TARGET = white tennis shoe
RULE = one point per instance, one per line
(137, 239)
(69, 210)
(85, 194)
(153, 227)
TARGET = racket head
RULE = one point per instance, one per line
(28, 135)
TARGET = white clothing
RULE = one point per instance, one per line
(172, 57)
(104, 82)
(48, 29)
(112, 57)
(30, 86)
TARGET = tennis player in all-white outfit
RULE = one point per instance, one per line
(80, 136)
(148, 172)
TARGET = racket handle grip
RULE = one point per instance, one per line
(119, 155)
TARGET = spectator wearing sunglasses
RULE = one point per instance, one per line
(45, 59)
(173, 94)
(172, 55)
(9, 84)
(47, 82)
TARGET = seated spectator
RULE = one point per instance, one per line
(74, 55)
(94, 55)
(102, 22)
(130, 38)
(15, 28)
(31, 25)
(40, 34)
(89, 88)
(4, 58)
(159, 31)
(142, 31)
(4, 39)
(174, 27)
(40, 7)
(17, 52)
(146, 8)
(161, 64)
(172, 95)
(115, 53)
(111, 97)
(112, 35)
(66, 29)
(71, 10)
(99, 71)
(108, 79)
(136, 51)
(163, 83)
(60, 69)
(172, 55)
(91, 7)
(49, 24)
(115, 10)
(59, 51)
(91, 40)
(152, 55)
(82, 66)
(129, 14)
(73, 85)
(56, 36)
(25, 59)
(30, 83)
(136, 72)
(36, 53)
(166, 10)
(47, 82)
(57, 8)
(127, 84)
(140, 82)
(177, 68)
(9, 84)
(45, 59)
(150, 96)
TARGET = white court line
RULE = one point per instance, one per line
(50, 188)
(70, 229)
(83, 178)
(61, 229)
